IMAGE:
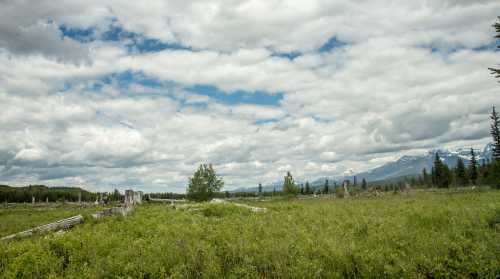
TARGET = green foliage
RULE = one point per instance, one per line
(364, 185)
(473, 173)
(289, 187)
(496, 25)
(204, 184)
(43, 193)
(495, 133)
(419, 235)
(461, 174)
(441, 174)
(307, 189)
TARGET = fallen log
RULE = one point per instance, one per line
(252, 208)
(123, 211)
(56, 226)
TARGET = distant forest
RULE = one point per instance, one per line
(43, 193)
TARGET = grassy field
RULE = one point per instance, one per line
(415, 235)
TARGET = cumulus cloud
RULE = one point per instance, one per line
(406, 77)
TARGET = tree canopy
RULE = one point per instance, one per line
(204, 183)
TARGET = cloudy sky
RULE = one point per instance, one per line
(122, 93)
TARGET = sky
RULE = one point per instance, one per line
(133, 94)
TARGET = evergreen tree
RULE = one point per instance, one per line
(433, 177)
(260, 188)
(289, 187)
(461, 173)
(437, 171)
(473, 174)
(441, 174)
(364, 185)
(495, 133)
(308, 188)
(496, 25)
(326, 187)
(204, 184)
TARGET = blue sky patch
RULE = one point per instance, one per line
(331, 44)
(239, 96)
(133, 42)
(288, 55)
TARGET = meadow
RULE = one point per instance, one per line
(441, 234)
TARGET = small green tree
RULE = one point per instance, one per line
(308, 188)
(495, 133)
(364, 185)
(442, 175)
(289, 187)
(204, 184)
(326, 187)
(260, 189)
(473, 174)
(460, 173)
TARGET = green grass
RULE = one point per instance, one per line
(415, 235)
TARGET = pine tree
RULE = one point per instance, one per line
(308, 188)
(496, 25)
(461, 173)
(260, 188)
(364, 185)
(438, 171)
(495, 133)
(289, 187)
(326, 187)
(473, 174)
(442, 175)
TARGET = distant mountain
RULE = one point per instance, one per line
(413, 165)
(406, 166)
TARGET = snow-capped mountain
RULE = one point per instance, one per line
(412, 165)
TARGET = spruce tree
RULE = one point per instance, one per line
(461, 173)
(495, 133)
(326, 187)
(289, 187)
(473, 174)
(260, 188)
(364, 185)
(496, 25)
(438, 171)
(308, 188)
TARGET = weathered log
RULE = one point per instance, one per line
(252, 208)
(124, 211)
(58, 225)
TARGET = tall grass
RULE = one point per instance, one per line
(414, 235)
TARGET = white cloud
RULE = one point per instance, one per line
(381, 95)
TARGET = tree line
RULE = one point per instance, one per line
(42, 193)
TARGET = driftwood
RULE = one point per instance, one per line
(56, 226)
(252, 208)
(124, 211)
(171, 201)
